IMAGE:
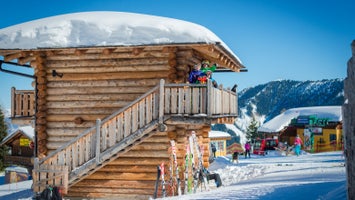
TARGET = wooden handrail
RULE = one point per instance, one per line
(125, 126)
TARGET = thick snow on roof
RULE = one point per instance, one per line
(218, 134)
(333, 113)
(103, 29)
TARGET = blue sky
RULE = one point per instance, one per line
(275, 39)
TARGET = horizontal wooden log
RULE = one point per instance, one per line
(111, 69)
(105, 83)
(80, 111)
(97, 90)
(109, 76)
(68, 125)
(129, 169)
(122, 160)
(123, 176)
(60, 138)
(149, 147)
(139, 154)
(52, 146)
(106, 62)
(65, 132)
(116, 184)
(162, 139)
(114, 194)
(93, 56)
(88, 104)
(66, 118)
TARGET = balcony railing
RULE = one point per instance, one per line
(22, 103)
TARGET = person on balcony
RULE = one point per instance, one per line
(205, 66)
(209, 76)
(196, 75)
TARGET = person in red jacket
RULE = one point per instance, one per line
(298, 143)
(247, 149)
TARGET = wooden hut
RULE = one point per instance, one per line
(20, 142)
(105, 113)
(218, 139)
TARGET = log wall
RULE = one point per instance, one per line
(92, 84)
(133, 175)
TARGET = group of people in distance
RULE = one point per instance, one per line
(203, 72)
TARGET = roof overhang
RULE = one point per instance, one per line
(215, 53)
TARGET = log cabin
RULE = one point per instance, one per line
(107, 107)
(20, 143)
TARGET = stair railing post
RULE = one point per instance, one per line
(209, 98)
(161, 101)
(98, 127)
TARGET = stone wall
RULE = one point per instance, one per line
(349, 124)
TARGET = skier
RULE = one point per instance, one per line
(235, 157)
(213, 150)
(298, 143)
(247, 149)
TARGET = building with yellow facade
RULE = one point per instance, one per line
(320, 128)
(218, 139)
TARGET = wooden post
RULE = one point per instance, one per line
(161, 101)
(98, 127)
(236, 101)
(349, 124)
(230, 109)
(209, 98)
(13, 101)
(35, 174)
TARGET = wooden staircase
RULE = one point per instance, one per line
(127, 127)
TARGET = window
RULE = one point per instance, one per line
(332, 137)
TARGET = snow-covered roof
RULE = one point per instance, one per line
(104, 28)
(333, 113)
(218, 134)
(28, 131)
(16, 169)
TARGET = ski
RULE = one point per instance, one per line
(199, 172)
(193, 165)
(187, 185)
(162, 170)
(157, 182)
(173, 150)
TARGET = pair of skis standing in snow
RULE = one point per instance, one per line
(194, 172)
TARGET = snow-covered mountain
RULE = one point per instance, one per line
(265, 101)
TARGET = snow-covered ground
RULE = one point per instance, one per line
(309, 176)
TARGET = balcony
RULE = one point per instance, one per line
(22, 106)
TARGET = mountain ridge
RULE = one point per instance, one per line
(265, 101)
